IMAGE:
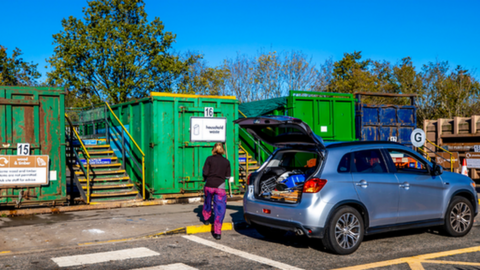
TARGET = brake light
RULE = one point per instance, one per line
(248, 179)
(267, 211)
(314, 185)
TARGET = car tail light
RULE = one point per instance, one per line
(314, 185)
(248, 179)
(267, 211)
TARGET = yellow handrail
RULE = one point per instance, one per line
(451, 154)
(425, 152)
(139, 149)
(87, 159)
(246, 160)
(242, 113)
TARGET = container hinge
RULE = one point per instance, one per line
(152, 144)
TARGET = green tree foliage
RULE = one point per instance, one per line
(114, 54)
(14, 71)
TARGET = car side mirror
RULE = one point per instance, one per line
(437, 169)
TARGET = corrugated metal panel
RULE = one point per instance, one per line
(161, 126)
(34, 115)
(385, 122)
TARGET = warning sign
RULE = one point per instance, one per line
(23, 170)
(473, 160)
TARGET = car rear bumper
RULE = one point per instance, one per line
(310, 231)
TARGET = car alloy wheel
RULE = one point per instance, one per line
(347, 231)
(344, 231)
(460, 217)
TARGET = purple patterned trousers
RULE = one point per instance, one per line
(219, 206)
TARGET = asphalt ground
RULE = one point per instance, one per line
(246, 249)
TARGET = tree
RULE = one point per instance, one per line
(14, 71)
(270, 74)
(200, 79)
(114, 54)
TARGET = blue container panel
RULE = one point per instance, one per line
(370, 116)
(381, 122)
(388, 116)
(406, 116)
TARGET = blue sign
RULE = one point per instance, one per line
(97, 161)
(242, 159)
(115, 134)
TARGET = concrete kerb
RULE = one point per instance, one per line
(192, 229)
(99, 206)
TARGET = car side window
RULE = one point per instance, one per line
(369, 161)
(344, 165)
(407, 163)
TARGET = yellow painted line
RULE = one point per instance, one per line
(416, 265)
(5, 252)
(105, 242)
(207, 228)
(158, 94)
(414, 261)
(451, 262)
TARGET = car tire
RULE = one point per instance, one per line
(344, 231)
(269, 232)
(459, 217)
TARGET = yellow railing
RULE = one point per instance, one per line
(86, 154)
(246, 164)
(451, 154)
(242, 113)
(139, 149)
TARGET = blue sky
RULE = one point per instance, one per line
(382, 30)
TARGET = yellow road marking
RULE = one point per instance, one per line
(207, 228)
(451, 262)
(416, 266)
(4, 252)
(105, 242)
(415, 262)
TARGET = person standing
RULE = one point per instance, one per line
(215, 171)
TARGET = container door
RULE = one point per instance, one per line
(34, 116)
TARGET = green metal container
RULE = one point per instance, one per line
(160, 124)
(34, 115)
(329, 115)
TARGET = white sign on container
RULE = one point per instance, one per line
(204, 129)
(23, 149)
(208, 112)
(23, 170)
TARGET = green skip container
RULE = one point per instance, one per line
(329, 115)
(160, 124)
(32, 117)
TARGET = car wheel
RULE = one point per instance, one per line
(459, 217)
(344, 232)
(269, 232)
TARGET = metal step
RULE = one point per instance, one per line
(98, 153)
(106, 179)
(98, 146)
(114, 194)
(249, 162)
(97, 186)
(102, 172)
(100, 165)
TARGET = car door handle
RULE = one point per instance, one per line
(405, 185)
(362, 184)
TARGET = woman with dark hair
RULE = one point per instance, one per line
(215, 171)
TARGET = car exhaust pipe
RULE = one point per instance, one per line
(298, 232)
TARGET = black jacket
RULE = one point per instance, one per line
(216, 170)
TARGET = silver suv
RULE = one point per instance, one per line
(339, 192)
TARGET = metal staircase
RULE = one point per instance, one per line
(99, 171)
(109, 182)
